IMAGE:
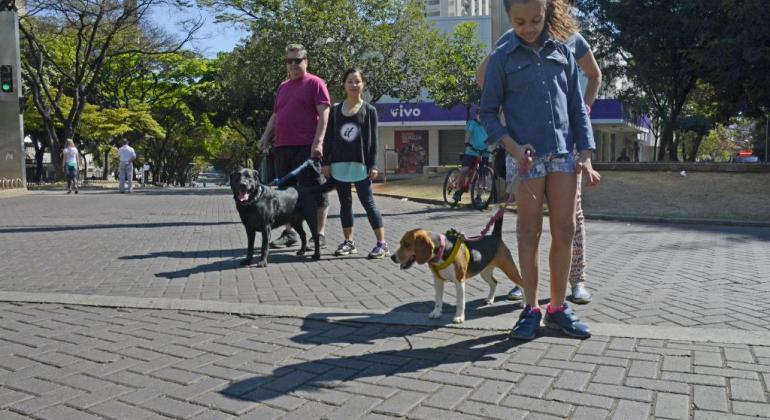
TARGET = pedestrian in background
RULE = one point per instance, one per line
(126, 168)
(350, 158)
(298, 124)
(71, 159)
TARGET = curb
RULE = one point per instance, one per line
(619, 218)
(702, 335)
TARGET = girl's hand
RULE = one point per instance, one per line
(584, 165)
(373, 173)
(522, 154)
(327, 171)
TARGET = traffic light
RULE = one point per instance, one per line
(6, 78)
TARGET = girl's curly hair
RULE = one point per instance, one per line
(559, 21)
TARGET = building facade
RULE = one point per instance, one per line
(419, 134)
(450, 8)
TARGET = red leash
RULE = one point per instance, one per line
(523, 168)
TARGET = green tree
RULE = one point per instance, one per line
(65, 45)
(652, 44)
(388, 39)
(451, 74)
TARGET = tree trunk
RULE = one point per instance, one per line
(695, 147)
(106, 173)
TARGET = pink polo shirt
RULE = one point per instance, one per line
(295, 110)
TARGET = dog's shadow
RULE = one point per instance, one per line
(396, 321)
(233, 261)
(336, 372)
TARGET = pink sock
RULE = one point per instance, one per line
(552, 310)
(535, 309)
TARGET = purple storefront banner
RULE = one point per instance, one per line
(607, 109)
(603, 109)
(420, 112)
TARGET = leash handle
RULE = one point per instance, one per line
(524, 164)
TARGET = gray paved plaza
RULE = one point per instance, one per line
(680, 314)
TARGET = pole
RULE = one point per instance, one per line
(12, 156)
(767, 121)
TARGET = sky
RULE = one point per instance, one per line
(211, 39)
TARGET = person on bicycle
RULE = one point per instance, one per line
(475, 146)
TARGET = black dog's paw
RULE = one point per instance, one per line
(261, 264)
(246, 262)
(316, 256)
(301, 252)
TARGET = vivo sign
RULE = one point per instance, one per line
(406, 111)
(420, 112)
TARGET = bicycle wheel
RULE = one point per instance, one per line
(483, 188)
(449, 185)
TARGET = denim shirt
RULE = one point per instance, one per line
(540, 96)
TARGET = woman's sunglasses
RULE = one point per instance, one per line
(294, 60)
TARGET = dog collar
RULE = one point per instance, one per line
(438, 266)
(441, 247)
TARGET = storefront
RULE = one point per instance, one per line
(415, 135)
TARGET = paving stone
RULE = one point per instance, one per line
(354, 408)
(746, 390)
(589, 413)
(622, 392)
(172, 407)
(609, 375)
(483, 410)
(631, 410)
(61, 412)
(119, 411)
(710, 398)
(447, 397)
(533, 386)
(231, 405)
(491, 392)
(672, 406)
(432, 413)
(580, 398)
(537, 405)
(400, 403)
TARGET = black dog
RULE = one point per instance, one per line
(262, 208)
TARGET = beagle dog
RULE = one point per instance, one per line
(457, 260)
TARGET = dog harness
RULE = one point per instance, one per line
(438, 266)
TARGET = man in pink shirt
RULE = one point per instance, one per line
(298, 123)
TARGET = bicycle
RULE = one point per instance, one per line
(480, 180)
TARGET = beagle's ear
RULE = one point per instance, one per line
(423, 247)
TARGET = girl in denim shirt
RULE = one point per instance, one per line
(534, 79)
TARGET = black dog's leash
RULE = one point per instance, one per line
(277, 182)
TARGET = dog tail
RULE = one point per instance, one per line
(497, 231)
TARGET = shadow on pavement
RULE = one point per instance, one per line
(30, 229)
(237, 255)
(211, 253)
(316, 325)
(334, 372)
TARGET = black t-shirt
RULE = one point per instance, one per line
(348, 147)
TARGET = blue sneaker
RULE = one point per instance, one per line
(566, 321)
(515, 294)
(527, 325)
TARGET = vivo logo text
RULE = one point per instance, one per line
(405, 112)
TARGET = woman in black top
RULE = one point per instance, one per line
(350, 157)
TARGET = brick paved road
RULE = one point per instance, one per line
(186, 244)
(59, 362)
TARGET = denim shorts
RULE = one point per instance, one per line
(541, 166)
